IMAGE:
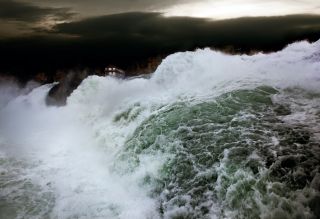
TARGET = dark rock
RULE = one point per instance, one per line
(59, 93)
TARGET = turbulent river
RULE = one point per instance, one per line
(208, 135)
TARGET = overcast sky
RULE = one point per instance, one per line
(46, 35)
(23, 17)
(198, 8)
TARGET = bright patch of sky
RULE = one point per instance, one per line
(241, 8)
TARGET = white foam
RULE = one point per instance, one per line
(73, 148)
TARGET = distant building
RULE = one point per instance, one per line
(114, 72)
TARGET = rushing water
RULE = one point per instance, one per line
(207, 136)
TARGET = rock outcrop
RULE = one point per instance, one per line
(59, 93)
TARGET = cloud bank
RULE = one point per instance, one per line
(19, 11)
(128, 38)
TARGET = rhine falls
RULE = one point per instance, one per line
(207, 135)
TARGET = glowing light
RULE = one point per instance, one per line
(49, 22)
(240, 8)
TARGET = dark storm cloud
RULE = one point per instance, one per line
(25, 12)
(128, 5)
(186, 33)
(130, 38)
(94, 7)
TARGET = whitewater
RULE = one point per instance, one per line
(207, 135)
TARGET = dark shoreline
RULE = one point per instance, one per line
(139, 42)
(69, 79)
(134, 68)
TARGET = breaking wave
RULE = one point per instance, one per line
(209, 135)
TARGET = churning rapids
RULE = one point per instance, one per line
(208, 135)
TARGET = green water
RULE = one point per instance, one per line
(229, 157)
(249, 153)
